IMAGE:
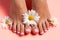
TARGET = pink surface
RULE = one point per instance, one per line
(51, 34)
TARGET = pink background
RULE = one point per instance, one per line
(51, 34)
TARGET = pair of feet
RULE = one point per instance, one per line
(18, 9)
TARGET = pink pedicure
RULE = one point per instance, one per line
(22, 34)
(28, 30)
(41, 32)
(36, 30)
(18, 32)
(45, 30)
(14, 31)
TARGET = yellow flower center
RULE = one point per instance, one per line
(31, 17)
(6, 22)
(52, 21)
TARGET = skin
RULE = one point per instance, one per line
(42, 8)
(18, 7)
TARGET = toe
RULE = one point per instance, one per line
(44, 27)
(48, 20)
(40, 28)
(27, 29)
(34, 29)
(10, 26)
(21, 29)
(14, 26)
(18, 28)
(47, 24)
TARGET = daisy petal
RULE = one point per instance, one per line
(31, 17)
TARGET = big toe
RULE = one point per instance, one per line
(27, 29)
(34, 29)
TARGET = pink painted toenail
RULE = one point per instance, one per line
(28, 30)
(41, 32)
(18, 32)
(14, 31)
(22, 34)
(45, 30)
(36, 30)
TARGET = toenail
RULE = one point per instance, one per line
(28, 30)
(36, 30)
(45, 30)
(41, 32)
(18, 32)
(48, 28)
(22, 33)
(14, 31)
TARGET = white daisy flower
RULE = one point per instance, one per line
(31, 17)
(54, 21)
(6, 21)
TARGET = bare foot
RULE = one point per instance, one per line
(18, 7)
(42, 8)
